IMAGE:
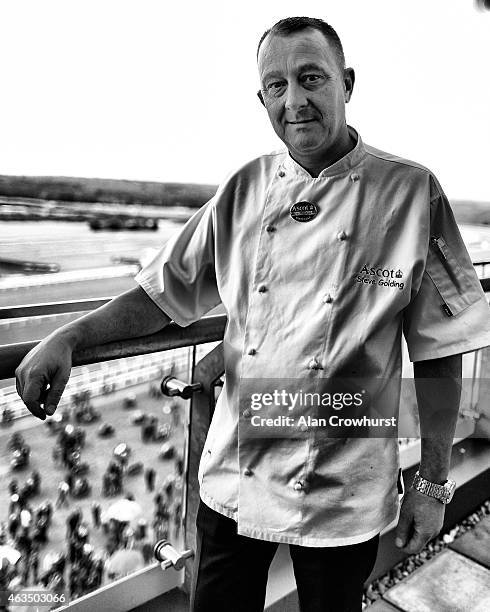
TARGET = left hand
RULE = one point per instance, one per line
(421, 519)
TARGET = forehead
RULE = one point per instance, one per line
(285, 53)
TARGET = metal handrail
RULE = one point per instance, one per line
(208, 329)
(51, 308)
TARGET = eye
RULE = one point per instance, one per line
(311, 79)
(275, 87)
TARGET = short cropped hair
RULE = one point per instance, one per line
(287, 26)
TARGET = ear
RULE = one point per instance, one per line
(349, 78)
(261, 97)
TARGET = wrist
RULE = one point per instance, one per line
(434, 475)
(70, 335)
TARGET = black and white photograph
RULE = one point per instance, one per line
(244, 306)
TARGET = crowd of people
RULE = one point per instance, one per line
(81, 567)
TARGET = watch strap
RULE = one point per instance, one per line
(439, 492)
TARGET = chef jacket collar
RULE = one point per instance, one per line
(342, 165)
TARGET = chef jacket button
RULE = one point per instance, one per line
(354, 177)
(282, 173)
(246, 413)
(314, 364)
(341, 235)
(298, 486)
(262, 289)
(252, 351)
(270, 228)
(327, 298)
(247, 472)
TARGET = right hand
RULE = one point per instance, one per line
(42, 375)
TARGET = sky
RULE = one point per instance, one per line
(166, 91)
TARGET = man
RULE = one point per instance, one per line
(150, 475)
(63, 490)
(96, 512)
(320, 255)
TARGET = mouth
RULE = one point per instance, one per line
(301, 122)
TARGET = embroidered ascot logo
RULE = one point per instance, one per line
(383, 277)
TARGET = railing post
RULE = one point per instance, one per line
(207, 372)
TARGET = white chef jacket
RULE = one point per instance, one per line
(297, 310)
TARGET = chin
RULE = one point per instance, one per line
(306, 147)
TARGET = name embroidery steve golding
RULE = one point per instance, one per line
(383, 277)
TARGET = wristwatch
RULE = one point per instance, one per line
(444, 493)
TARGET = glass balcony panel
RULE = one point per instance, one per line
(119, 446)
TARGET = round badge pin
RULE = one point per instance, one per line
(303, 211)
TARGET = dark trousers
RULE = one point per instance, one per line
(230, 570)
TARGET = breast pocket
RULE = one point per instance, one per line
(457, 285)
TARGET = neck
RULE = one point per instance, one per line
(314, 165)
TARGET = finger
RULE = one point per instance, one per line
(55, 392)
(402, 533)
(32, 395)
(416, 543)
(42, 396)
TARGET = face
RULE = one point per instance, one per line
(304, 91)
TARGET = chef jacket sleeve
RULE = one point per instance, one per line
(450, 313)
(181, 278)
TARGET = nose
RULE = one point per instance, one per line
(295, 97)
